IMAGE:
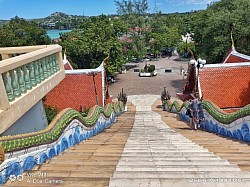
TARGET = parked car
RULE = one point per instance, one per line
(111, 79)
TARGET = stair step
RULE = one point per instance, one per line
(152, 162)
(168, 151)
(180, 174)
(179, 182)
(167, 154)
(164, 168)
(174, 158)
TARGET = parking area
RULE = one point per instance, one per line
(135, 85)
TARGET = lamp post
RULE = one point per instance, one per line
(199, 63)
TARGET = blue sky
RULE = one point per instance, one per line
(42, 8)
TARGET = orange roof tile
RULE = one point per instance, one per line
(227, 87)
(76, 90)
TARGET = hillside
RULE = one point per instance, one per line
(59, 20)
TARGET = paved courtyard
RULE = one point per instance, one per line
(135, 85)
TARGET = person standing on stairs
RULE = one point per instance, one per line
(190, 113)
(195, 113)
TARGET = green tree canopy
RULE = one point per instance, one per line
(213, 27)
(19, 32)
(93, 40)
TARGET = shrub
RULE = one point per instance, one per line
(151, 68)
(51, 112)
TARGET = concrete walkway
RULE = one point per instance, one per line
(155, 155)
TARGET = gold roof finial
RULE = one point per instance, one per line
(233, 47)
(107, 59)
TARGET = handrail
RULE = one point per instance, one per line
(23, 59)
(57, 126)
(21, 73)
(22, 152)
(213, 110)
(5, 52)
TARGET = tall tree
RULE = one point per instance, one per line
(124, 7)
(127, 7)
(213, 26)
(141, 7)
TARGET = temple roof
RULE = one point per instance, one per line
(227, 85)
(236, 57)
(76, 90)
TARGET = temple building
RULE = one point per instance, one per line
(81, 88)
(226, 84)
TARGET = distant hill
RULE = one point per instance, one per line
(62, 21)
(59, 20)
(3, 21)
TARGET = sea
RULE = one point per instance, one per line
(55, 33)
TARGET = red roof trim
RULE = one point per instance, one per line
(235, 57)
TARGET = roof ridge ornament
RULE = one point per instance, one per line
(232, 40)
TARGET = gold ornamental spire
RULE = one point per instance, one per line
(232, 40)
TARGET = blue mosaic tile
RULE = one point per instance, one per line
(29, 163)
(43, 157)
(81, 137)
(58, 149)
(223, 132)
(246, 137)
(64, 144)
(76, 139)
(244, 129)
(216, 128)
(229, 134)
(51, 153)
(77, 131)
(13, 169)
(71, 141)
(2, 179)
(240, 136)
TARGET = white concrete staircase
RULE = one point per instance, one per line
(155, 155)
